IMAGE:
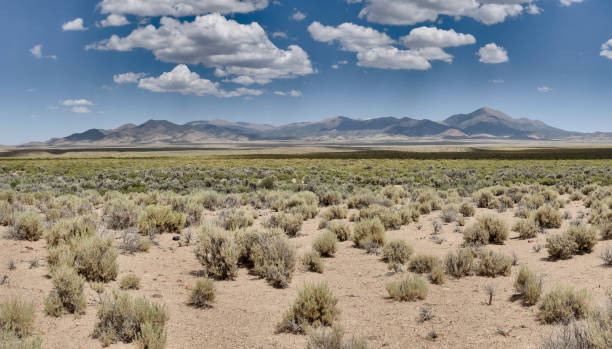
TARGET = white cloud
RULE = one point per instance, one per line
(606, 49)
(80, 110)
(544, 89)
(74, 25)
(292, 93)
(114, 20)
(434, 37)
(497, 81)
(569, 2)
(337, 65)
(128, 78)
(73, 102)
(279, 35)
(180, 8)
(410, 12)
(375, 49)
(37, 52)
(533, 9)
(493, 54)
(233, 49)
(298, 16)
(184, 81)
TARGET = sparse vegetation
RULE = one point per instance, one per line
(369, 229)
(129, 282)
(409, 289)
(528, 286)
(325, 243)
(314, 306)
(217, 252)
(67, 294)
(564, 304)
(487, 229)
(202, 293)
(28, 226)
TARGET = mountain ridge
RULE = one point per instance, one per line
(484, 123)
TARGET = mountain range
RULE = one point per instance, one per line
(484, 123)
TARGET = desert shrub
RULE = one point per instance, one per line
(394, 193)
(218, 252)
(28, 226)
(369, 229)
(7, 215)
(335, 212)
(67, 293)
(584, 237)
(527, 285)
(209, 199)
(304, 203)
(70, 228)
(17, 317)
(120, 213)
(10, 340)
(341, 229)
(493, 264)
(361, 199)
(332, 197)
(437, 275)
(389, 217)
(8, 196)
(314, 306)
(160, 219)
(132, 242)
(487, 229)
(272, 256)
(60, 255)
(95, 258)
(312, 261)
(606, 231)
(409, 289)
(560, 246)
(467, 209)
(563, 304)
(193, 213)
(126, 319)
(202, 293)
(526, 228)
(504, 202)
(423, 263)
(408, 215)
(396, 253)
(332, 338)
(130, 282)
(287, 222)
(484, 198)
(533, 201)
(548, 217)
(450, 213)
(325, 243)
(460, 263)
(234, 219)
(606, 255)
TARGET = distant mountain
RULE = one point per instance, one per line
(483, 123)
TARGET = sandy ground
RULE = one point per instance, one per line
(247, 308)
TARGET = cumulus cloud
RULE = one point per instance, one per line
(292, 93)
(184, 81)
(544, 89)
(279, 35)
(377, 50)
(74, 25)
(114, 20)
(411, 12)
(241, 51)
(569, 2)
(180, 8)
(76, 102)
(37, 52)
(128, 78)
(493, 54)
(606, 49)
(298, 16)
(434, 37)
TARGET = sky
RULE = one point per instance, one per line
(71, 65)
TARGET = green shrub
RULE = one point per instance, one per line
(67, 294)
(409, 289)
(202, 293)
(218, 252)
(193, 213)
(563, 304)
(396, 253)
(129, 282)
(460, 263)
(126, 319)
(330, 198)
(423, 263)
(389, 217)
(450, 213)
(487, 229)
(492, 264)
(584, 237)
(10, 340)
(273, 257)
(560, 246)
(17, 317)
(361, 199)
(526, 229)
(209, 199)
(28, 226)
(484, 198)
(528, 286)
(70, 228)
(325, 243)
(312, 261)
(287, 222)
(95, 258)
(315, 306)
(234, 219)
(120, 213)
(437, 275)
(7, 213)
(369, 229)
(335, 212)
(548, 217)
(606, 231)
(341, 229)
(160, 219)
(133, 242)
(332, 338)
(467, 210)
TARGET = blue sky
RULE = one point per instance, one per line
(65, 64)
